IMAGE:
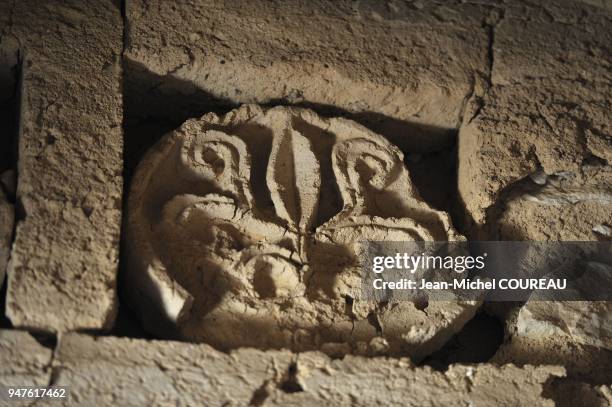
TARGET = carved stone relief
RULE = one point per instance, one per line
(244, 230)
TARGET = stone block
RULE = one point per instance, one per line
(62, 273)
(121, 371)
(547, 105)
(114, 370)
(403, 69)
(23, 361)
(247, 230)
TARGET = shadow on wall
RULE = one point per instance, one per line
(9, 106)
(155, 105)
(477, 342)
(10, 73)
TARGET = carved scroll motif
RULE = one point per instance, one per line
(281, 266)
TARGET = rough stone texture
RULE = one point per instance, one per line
(563, 207)
(569, 393)
(106, 370)
(585, 322)
(358, 382)
(404, 69)
(535, 150)
(547, 104)
(575, 334)
(245, 230)
(23, 361)
(7, 218)
(583, 362)
(62, 273)
(606, 4)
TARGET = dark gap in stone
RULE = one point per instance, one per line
(421, 303)
(121, 4)
(127, 324)
(477, 342)
(49, 341)
(51, 139)
(10, 95)
(10, 103)
(5, 323)
(260, 395)
(568, 392)
(373, 320)
(291, 383)
(593, 161)
(434, 175)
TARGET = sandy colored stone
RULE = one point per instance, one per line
(570, 393)
(547, 106)
(565, 206)
(23, 361)
(583, 362)
(246, 230)
(121, 371)
(575, 334)
(365, 382)
(562, 207)
(62, 273)
(585, 322)
(404, 69)
(107, 369)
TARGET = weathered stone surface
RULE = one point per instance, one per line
(7, 218)
(366, 382)
(23, 361)
(547, 106)
(585, 322)
(570, 393)
(575, 334)
(562, 207)
(63, 267)
(535, 153)
(606, 4)
(104, 370)
(582, 362)
(245, 230)
(107, 370)
(404, 69)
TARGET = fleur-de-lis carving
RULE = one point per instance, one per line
(218, 261)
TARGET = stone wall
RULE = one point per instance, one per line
(63, 268)
(217, 134)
